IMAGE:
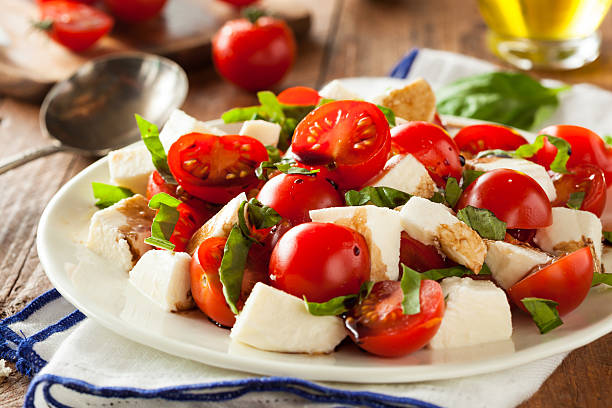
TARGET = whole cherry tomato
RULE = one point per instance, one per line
(350, 138)
(513, 197)
(294, 195)
(566, 281)
(419, 256)
(476, 138)
(216, 168)
(299, 95)
(584, 178)
(379, 326)
(320, 261)
(432, 146)
(206, 287)
(256, 55)
(74, 25)
(134, 11)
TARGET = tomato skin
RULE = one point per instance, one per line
(76, 26)
(299, 95)
(239, 3)
(320, 261)
(254, 56)
(476, 138)
(432, 146)
(378, 325)
(586, 178)
(135, 11)
(513, 197)
(349, 138)
(419, 256)
(566, 281)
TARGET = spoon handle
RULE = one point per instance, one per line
(18, 159)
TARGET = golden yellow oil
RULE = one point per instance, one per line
(548, 20)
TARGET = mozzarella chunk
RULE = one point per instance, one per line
(266, 132)
(533, 170)
(415, 101)
(509, 263)
(273, 320)
(218, 226)
(570, 230)
(405, 173)
(381, 228)
(335, 90)
(180, 124)
(5, 371)
(434, 224)
(117, 233)
(163, 276)
(131, 167)
(476, 312)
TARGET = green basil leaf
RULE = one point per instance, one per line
(107, 195)
(411, 287)
(608, 139)
(261, 216)
(437, 197)
(165, 220)
(323, 101)
(528, 150)
(150, 136)
(543, 312)
(388, 114)
(231, 271)
(510, 98)
(469, 176)
(575, 200)
(287, 166)
(452, 192)
(495, 153)
(564, 149)
(607, 236)
(459, 271)
(340, 304)
(485, 270)
(605, 278)
(274, 155)
(240, 114)
(271, 108)
(378, 196)
(483, 221)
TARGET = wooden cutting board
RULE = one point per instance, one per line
(32, 62)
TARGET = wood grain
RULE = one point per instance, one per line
(348, 37)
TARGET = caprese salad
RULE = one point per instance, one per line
(330, 216)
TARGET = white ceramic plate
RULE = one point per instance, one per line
(103, 294)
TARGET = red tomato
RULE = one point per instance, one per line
(299, 95)
(157, 184)
(350, 138)
(293, 196)
(206, 287)
(513, 197)
(256, 55)
(566, 281)
(585, 178)
(74, 25)
(239, 3)
(320, 261)
(134, 11)
(432, 146)
(476, 138)
(189, 221)
(421, 257)
(379, 326)
(216, 168)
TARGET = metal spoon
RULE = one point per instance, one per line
(92, 112)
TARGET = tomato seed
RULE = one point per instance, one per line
(230, 176)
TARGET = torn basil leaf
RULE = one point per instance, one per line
(483, 221)
(150, 136)
(437, 197)
(340, 304)
(605, 278)
(575, 200)
(469, 176)
(452, 192)
(411, 287)
(107, 195)
(543, 312)
(261, 216)
(165, 220)
(607, 236)
(388, 114)
(287, 166)
(231, 271)
(378, 196)
(459, 271)
(495, 153)
(274, 155)
(559, 163)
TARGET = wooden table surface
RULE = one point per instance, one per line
(348, 38)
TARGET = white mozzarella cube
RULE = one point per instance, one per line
(266, 132)
(434, 224)
(180, 124)
(533, 170)
(117, 233)
(218, 226)
(476, 312)
(131, 167)
(381, 228)
(335, 90)
(273, 320)
(163, 276)
(415, 101)
(570, 231)
(510, 263)
(405, 173)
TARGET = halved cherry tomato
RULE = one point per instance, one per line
(157, 184)
(216, 168)
(134, 11)
(419, 256)
(476, 138)
(74, 25)
(320, 261)
(294, 195)
(566, 281)
(299, 95)
(582, 178)
(379, 326)
(206, 287)
(513, 197)
(350, 138)
(432, 146)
